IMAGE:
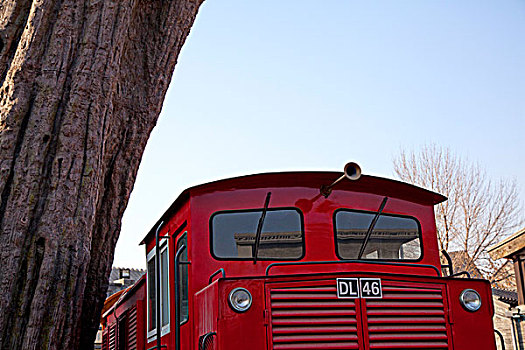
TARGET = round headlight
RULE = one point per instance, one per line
(470, 300)
(240, 299)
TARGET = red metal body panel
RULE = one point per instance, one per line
(471, 330)
(206, 312)
(295, 306)
(128, 315)
(250, 323)
(319, 230)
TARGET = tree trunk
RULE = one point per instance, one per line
(82, 85)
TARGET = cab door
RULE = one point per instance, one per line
(182, 321)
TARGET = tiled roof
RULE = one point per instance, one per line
(134, 274)
(507, 296)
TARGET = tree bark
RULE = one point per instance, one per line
(82, 85)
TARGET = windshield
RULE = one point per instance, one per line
(393, 238)
(282, 235)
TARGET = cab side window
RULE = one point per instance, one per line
(163, 289)
(183, 273)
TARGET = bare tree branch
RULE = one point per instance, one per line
(479, 212)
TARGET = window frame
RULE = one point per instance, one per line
(303, 237)
(163, 303)
(164, 246)
(420, 233)
(149, 256)
(181, 237)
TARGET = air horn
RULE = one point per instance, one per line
(352, 172)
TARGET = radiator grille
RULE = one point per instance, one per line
(312, 317)
(308, 315)
(407, 317)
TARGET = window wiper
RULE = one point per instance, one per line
(371, 228)
(255, 248)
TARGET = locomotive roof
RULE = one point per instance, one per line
(366, 184)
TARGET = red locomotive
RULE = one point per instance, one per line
(297, 261)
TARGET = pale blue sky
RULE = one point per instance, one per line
(309, 85)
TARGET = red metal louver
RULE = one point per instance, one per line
(132, 329)
(112, 337)
(409, 316)
(310, 316)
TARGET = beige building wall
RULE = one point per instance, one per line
(503, 323)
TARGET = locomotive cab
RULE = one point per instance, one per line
(275, 261)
